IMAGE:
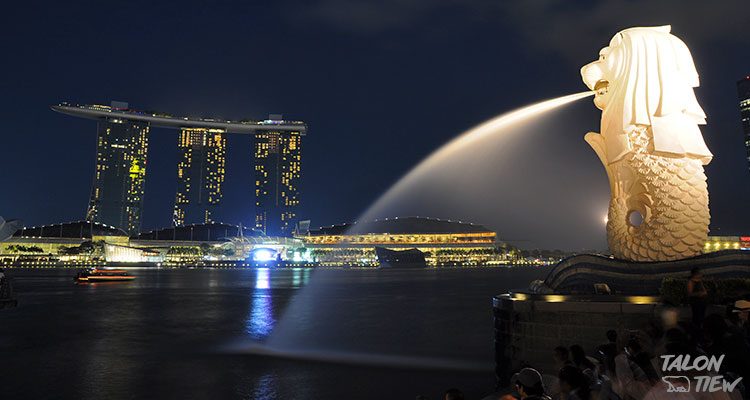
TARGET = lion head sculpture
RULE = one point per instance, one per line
(645, 77)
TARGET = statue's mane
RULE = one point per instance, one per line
(652, 85)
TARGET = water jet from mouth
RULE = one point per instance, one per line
(501, 174)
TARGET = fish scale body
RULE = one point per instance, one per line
(672, 196)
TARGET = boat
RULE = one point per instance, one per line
(103, 275)
(398, 259)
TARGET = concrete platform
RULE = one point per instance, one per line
(579, 273)
(529, 326)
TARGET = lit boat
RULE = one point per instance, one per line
(103, 275)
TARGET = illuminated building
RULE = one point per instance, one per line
(743, 91)
(200, 174)
(717, 243)
(443, 242)
(71, 242)
(203, 244)
(277, 161)
(88, 244)
(196, 233)
(117, 193)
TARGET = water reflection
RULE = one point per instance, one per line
(300, 277)
(154, 337)
(105, 360)
(261, 280)
(260, 322)
(264, 388)
(261, 319)
(296, 277)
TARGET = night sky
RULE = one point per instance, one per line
(380, 83)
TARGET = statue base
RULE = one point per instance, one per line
(564, 309)
(579, 274)
(529, 326)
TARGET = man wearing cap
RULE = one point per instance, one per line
(739, 319)
(529, 385)
(742, 307)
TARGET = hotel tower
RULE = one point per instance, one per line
(278, 162)
(117, 192)
(122, 144)
(200, 174)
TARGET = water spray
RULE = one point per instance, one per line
(493, 126)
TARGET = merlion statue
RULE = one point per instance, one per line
(650, 145)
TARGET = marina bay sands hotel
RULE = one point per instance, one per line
(121, 148)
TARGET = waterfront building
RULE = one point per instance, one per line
(123, 136)
(277, 164)
(71, 242)
(443, 242)
(206, 244)
(195, 233)
(117, 192)
(717, 243)
(743, 92)
(200, 174)
(89, 244)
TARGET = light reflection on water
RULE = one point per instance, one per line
(300, 277)
(260, 321)
(261, 280)
(296, 277)
(265, 388)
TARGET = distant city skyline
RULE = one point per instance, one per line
(381, 84)
(122, 147)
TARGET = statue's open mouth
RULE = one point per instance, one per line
(601, 87)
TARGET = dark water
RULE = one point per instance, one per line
(190, 334)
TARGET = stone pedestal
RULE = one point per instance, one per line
(579, 273)
(562, 310)
(529, 327)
